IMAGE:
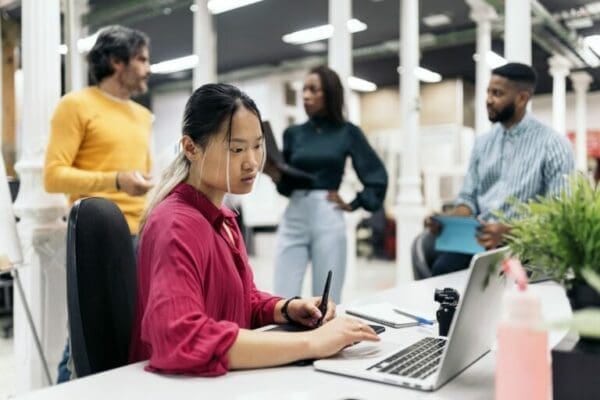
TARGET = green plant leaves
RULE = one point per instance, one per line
(585, 322)
(592, 278)
(559, 235)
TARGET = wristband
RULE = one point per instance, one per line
(284, 309)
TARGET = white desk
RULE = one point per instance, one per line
(298, 383)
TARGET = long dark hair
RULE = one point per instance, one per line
(116, 43)
(205, 111)
(333, 92)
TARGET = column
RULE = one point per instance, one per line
(559, 69)
(517, 31)
(75, 65)
(581, 83)
(339, 59)
(483, 14)
(410, 211)
(41, 228)
(205, 46)
(339, 56)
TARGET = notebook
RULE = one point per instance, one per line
(458, 235)
(382, 313)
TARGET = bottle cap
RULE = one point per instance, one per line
(522, 307)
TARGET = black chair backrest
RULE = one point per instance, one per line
(423, 255)
(101, 285)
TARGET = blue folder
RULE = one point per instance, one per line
(458, 235)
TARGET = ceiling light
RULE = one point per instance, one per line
(424, 74)
(492, 59)
(361, 85)
(591, 50)
(85, 45)
(580, 23)
(436, 20)
(194, 7)
(321, 32)
(175, 65)
(594, 42)
(314, 47)
(593, 8)
(63, 49)
(221, 6)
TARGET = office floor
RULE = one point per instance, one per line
(373, 275)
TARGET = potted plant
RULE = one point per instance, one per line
(559, 237)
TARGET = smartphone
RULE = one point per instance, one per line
(378, 328)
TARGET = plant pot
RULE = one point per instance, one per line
(581, 295)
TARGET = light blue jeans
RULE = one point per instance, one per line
(312, 229)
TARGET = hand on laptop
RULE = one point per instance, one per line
(306, 311)
(338, 334)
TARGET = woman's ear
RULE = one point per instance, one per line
(191, 151)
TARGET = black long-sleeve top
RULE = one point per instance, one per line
(320, 147)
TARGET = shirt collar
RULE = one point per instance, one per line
(214, 215)
(520, 127)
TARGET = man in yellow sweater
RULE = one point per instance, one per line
(99, 139)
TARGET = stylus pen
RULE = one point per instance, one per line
(420, 320)
(325, 298)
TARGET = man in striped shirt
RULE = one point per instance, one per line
(519, 158)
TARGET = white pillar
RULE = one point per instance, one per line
(559, 69)
(41, 229)
(410, 210)
(581, 83)
(205, 45)
(517, 31)
(339, 57)
(75, 65)
(340, 60)
(483, 14)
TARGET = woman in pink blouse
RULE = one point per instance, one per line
(197, 303)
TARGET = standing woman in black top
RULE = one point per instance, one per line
(313, 227)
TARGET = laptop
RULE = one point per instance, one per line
(275, 158)
(429, 363)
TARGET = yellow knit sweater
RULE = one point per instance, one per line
(94, 136)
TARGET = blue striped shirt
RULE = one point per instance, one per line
(528, 160)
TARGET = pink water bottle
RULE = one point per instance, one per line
(522, 358)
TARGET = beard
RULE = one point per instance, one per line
(504, 114)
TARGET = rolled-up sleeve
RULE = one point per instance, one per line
(182, 337)
(263, 308)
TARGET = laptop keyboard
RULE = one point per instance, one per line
(418, 360)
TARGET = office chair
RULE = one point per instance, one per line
(423, 255)
(101, 285)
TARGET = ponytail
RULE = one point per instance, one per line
(173, 175)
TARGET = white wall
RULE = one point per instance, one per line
(168, 112)
(542, 110)
(264, 206)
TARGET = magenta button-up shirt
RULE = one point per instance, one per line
(195, 287)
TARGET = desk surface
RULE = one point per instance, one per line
(298, 383)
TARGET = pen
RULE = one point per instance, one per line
(420, 320)
(325, 298)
